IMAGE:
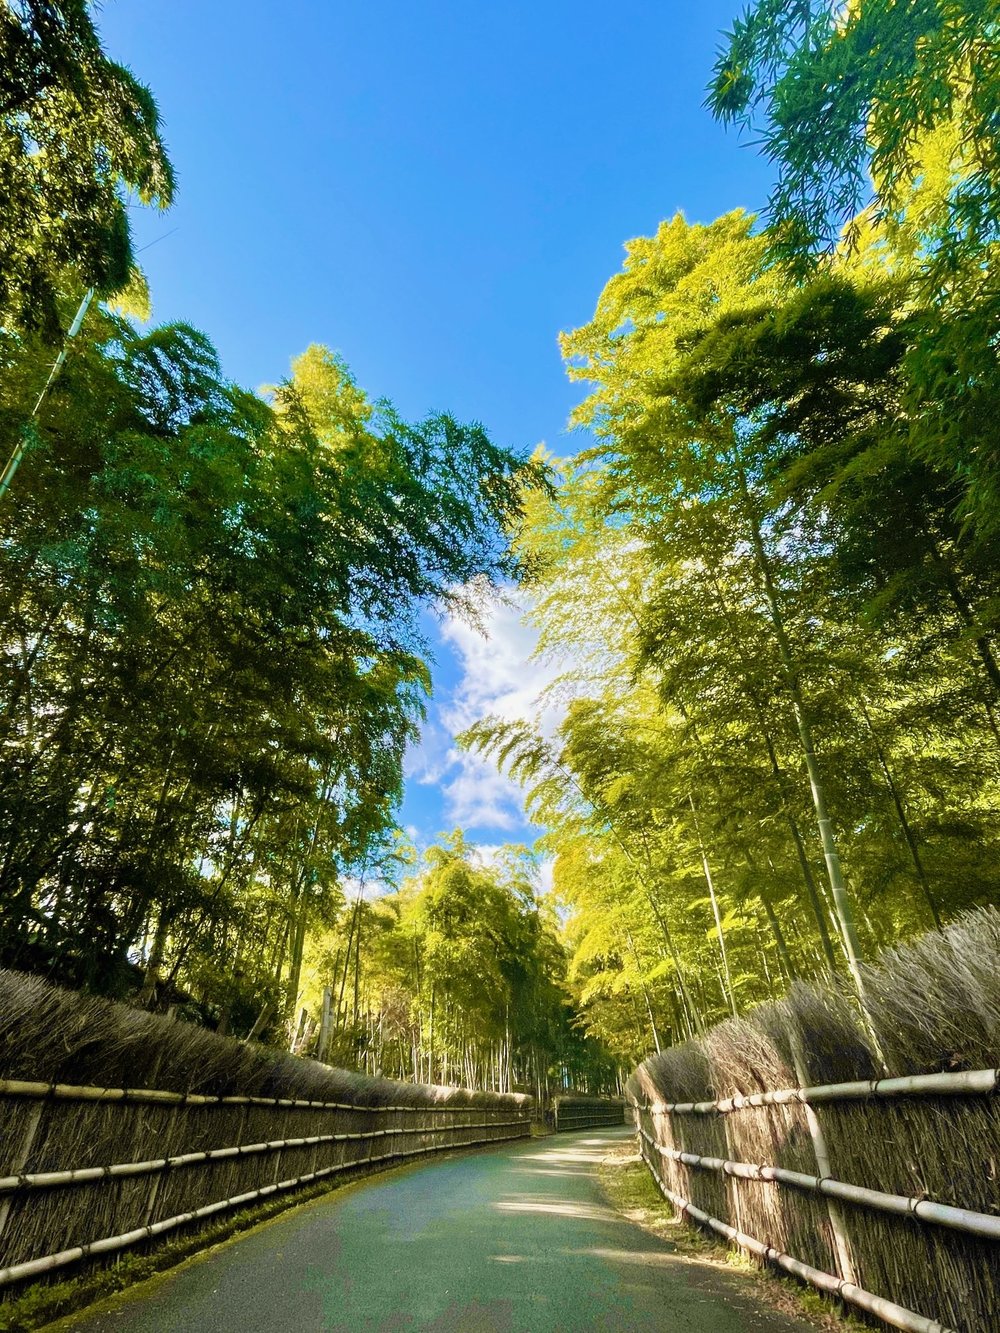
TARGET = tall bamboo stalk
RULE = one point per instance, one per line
(760, 713)
(904, 823)
(728, 984)
(835, 875)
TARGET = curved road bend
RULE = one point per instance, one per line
(518, 1240)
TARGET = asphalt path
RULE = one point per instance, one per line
(516, 1240)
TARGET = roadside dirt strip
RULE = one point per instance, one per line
(518, 1240)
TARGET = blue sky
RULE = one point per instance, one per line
(434, 189)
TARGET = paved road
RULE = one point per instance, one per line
(514, 1241)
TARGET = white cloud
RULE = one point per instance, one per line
(370, 888)
(546, 873)
(428, 760)
(499, 673)
(498, 677)
(488, 853)
(478, 796)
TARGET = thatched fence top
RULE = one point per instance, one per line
(119, 1127)
(56, 1036)
(858, 1152)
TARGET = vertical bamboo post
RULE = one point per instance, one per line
(324, 1025)
(20, 1158)
(154, 1191)
(841, 1243)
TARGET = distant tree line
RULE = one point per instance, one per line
(459, 976)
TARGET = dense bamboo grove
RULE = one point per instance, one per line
(458, 977)
(780, 749)
(768, 580)
(770, 576)
(212, 666)
(210, 661)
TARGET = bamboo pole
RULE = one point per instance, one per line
(760, 711)
(962, 1083)
(22, 1155)
(13, 462)
(89, 1174)
(838, 887)
(154, 1192)
(325, 1026)
(706, 869)
(967, 1220)
(12, 1087)
(838, 1226)
(571, 1113)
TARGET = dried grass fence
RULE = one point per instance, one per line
(862, 1157)
(576, 1112)
(117, 1126)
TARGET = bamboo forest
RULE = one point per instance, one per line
(761, 575)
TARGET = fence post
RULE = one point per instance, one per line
(154, 1191)
(325, 1024)
(838, 1227)
(20, 1159)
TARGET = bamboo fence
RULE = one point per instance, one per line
(813, 1140)
(88, 1169)
(575, 1112)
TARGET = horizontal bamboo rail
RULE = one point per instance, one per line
(12, 1087)
(110, 1244)
(946, 1215)
(896, 1315)
(964, 1083)
(595, 1122)
(571, 1113)
(87, 1174)
(349, 1136)
(598, 1121)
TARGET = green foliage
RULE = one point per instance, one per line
(770, 584)
(77, 134)
(881, 120)
(777, 642)
(835, 93)
(459, 976)
(212, 656)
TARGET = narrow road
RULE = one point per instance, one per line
(519, 1240)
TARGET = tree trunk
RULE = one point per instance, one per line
(151, 978)
(295, 967)
(779, 939)
(966, 614)
(759, 711)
